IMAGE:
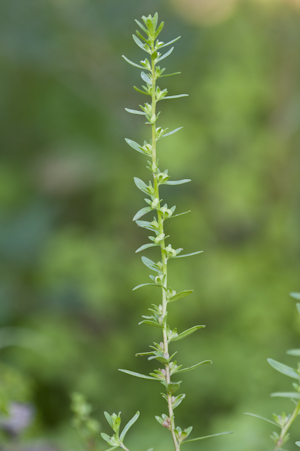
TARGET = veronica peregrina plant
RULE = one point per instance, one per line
(283, 421)
(151, 71)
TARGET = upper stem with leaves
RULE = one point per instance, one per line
(151, 72)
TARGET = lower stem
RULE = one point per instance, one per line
(287, 426)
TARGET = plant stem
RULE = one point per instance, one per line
(285, 429)
(164, 259)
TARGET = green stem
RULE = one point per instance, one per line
(285, 429)
(163, 257)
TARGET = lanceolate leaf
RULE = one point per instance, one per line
(295, 352)
(180, 214)
(172, 132)
(150, 264)
(295, 296)
(181, 294)
(183, 370)
(262, 418)
(142, 376)
(170, 42)
(131, 62)
(170, 75)
(146, 225)
(141, 213)
(291, 395)
(145, 246)
(187, 333)
(135, 111)
(134, 145)
(165, 54)
(144, 285)
(284, 369)
(140, 185)
(108, 418)
(128, 425)
(177, 182)
(188, 255)
(146, 78)
(207, 436)
(144, 47)
(175, 97)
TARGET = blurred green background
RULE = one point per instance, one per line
(68, 316)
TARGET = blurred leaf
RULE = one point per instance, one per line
(187, 332)
(207, 436)
(190, 368)
(142, 376)
(291, 395)
(295, 352)
(165, 54)
(187, 255)
(177, 182)
(262, 418)
(135, 112)
(128, 425)
(141, 213)
(145, 246)
(131, 62)
(181, 294)
(284, 369)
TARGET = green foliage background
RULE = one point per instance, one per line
(67, 198)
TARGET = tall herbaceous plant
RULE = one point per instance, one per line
(163, 352)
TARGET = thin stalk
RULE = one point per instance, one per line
(164, 260)
(285, 429)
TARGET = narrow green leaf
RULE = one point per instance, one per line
(187, 332)
(144, 285)
(131, 62)
(295, 296)
(145, 246)
(207, 436)
(165, 54)
(141, 92)
(188, 255)
(140, 185)
(175, 97)
(291, 395)
(170, 42)
(145, 225)
(170, 75)
(151, 323)
(161, 26)
(262, 418)
(146, 78)
(144, 47)
(177, 182)
(108, 418)
(141, 26)
(180, 214)
(135, 111)
(105, 437)
(190, 368)
(298, 444)
(284, 369)
(142, 376)
(172, 132)
(181, 294)
(141, 213)
(134, 145)
(128, 425)
(150, 264)
(295, 352)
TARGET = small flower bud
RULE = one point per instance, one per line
(155, 203)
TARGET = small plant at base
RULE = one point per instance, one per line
(284, 421)
(151, 72)
(88, 428)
